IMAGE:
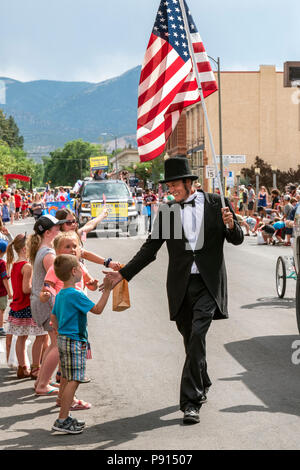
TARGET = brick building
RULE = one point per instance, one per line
(185, 141)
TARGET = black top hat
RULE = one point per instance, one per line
(177, 168)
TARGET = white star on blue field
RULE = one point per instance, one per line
(169, 25)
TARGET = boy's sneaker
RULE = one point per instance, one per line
(69, 426)
(2, 332)
(85, 380)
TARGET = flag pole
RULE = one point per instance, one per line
(192, 54)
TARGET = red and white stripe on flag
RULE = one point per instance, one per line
(168, 85)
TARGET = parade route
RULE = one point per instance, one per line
(254, 402)
(149, 230)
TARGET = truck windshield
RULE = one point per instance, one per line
(111, 190)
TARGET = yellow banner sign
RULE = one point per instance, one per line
(116, 210)
(99, 163)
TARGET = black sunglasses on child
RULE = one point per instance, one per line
(70, 222)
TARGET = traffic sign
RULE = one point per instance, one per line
(210, 171)
(231, 159)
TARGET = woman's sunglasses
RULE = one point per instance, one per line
(70, 222)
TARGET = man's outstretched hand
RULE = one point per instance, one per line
(113, 276)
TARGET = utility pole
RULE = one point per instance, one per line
(220, 125)
(116, 156)
(218, 63)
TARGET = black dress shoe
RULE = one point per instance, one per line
(191, 416)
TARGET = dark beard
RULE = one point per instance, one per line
(187, 193)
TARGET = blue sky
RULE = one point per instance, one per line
(92, 40)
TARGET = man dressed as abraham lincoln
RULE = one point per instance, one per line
(194, 226)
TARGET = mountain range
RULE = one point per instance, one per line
(50, 113)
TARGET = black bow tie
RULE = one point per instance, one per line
(192, 202)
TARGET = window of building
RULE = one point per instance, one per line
(197, 165)
(197, 159)
(199, 172)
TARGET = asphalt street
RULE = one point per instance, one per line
(138, 355)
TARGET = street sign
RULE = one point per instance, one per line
(231, 159)
(210, 172)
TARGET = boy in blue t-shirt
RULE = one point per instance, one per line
(279, 226)
(69, 318)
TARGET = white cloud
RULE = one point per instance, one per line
(17, 73)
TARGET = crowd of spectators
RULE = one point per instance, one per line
(270, 217)
(16, 204)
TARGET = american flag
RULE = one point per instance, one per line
(168, 83)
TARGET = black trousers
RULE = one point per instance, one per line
(193, 322)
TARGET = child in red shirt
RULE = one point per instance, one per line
(18, 203)
(4, 285)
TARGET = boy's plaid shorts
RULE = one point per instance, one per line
(72, 355)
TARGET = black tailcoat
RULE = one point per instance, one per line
(208, 253)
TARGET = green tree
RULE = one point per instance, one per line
(9, 131)
(286, 177)
(157, 169)
(14, 160)
(151, 170)
(283, 178)
(27, 166)
(16, 139)
(65, 166)
(265, 178)
(7, 160)
(143, 171)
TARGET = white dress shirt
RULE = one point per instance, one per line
(192, 220)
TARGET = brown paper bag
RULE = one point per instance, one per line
(121, 300)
